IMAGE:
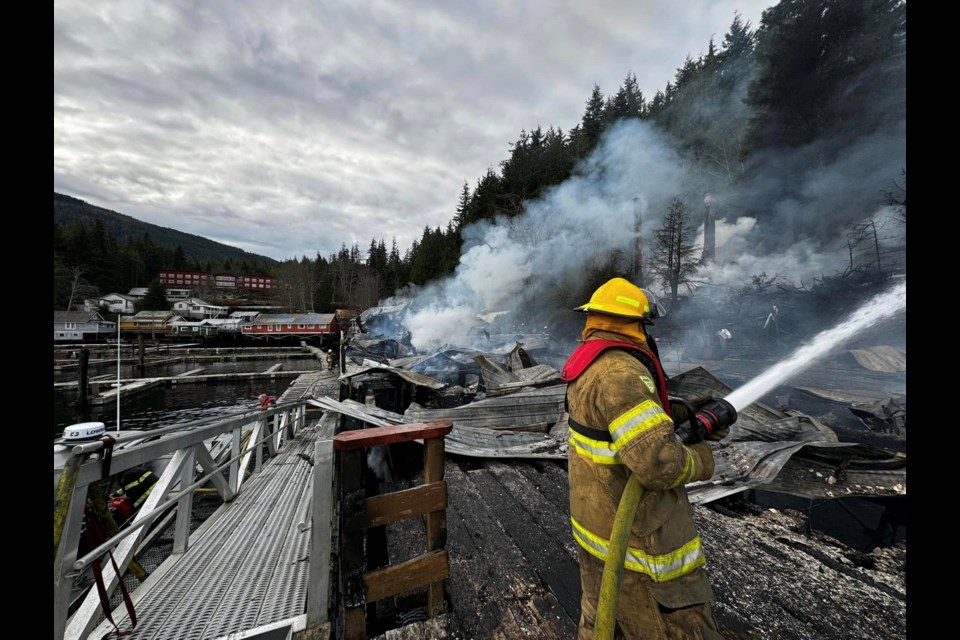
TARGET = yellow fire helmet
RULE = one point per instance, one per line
(619, 297)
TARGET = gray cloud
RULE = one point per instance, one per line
(287, 128)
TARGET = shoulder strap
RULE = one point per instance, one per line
(586, 353)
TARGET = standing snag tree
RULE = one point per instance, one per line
(675, 256)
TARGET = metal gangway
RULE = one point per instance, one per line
(283, 554)
(246, 567)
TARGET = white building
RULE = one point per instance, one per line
(117, 303)
(198, 309)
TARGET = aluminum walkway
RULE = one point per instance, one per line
(245, 568)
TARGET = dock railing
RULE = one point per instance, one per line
(83, 472)
(358, 513)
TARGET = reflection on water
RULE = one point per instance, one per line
(165, 406)
(128, 371)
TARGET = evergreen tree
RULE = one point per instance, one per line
(460, 219)
(155, 300)
(592, 121)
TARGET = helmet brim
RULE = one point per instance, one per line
(588, 309)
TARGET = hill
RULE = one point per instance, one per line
(67, 209)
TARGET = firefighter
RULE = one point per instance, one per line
(135, 487)
(620, 424)
(266, 402)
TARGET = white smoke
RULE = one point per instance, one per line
(736, 261)
(507, 262)
(520, 263)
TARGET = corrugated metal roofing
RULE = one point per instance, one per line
(534, 408)
(293, 318)
(881, 358)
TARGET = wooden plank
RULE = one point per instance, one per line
(400, 505)
(318, 581)
(354, 624)
(352, 561)
(436, 522)
(551, 481)
(531, 520)
(407, 576)
(494, 591)
(192, 372)
(362, 438)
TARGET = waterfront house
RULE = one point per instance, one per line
(268, 326)
(138, 293)
(81, 326)
(197, 309)
(152, 322)
(117, 303)
(195, 330)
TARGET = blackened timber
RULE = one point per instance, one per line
(548, 504)
(482, 567)
(352, 562)
(436, 521)
(551, 481)
(407, 576)
(497, 588)
(399, 505)
(522, 518)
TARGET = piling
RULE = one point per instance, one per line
(82, 382)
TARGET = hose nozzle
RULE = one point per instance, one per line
(713, 416)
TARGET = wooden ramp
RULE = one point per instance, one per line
(314, 384)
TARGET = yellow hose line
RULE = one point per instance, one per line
(606, 622)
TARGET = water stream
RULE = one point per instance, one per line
(880, 307)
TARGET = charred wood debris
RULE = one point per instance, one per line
(804, 521)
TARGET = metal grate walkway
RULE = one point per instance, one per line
(247, 569)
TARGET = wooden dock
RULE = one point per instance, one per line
(513, 568)
(130, 387)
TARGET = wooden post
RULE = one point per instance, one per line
(436, 521)
(318, 582)
(352, 562)
(360, 514)
(142, 351)
(82, 382)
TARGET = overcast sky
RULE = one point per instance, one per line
(288, 128)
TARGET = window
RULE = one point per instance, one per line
(69, 325)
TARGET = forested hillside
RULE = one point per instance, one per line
(68, 210)
(97, 251)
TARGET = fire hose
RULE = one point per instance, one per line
(715, 415)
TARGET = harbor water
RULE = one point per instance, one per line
(172, 404)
